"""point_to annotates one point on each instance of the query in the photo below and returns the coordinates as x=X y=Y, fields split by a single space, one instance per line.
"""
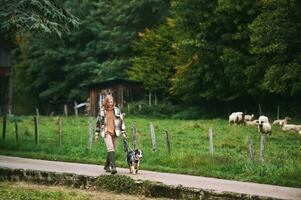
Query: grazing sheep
x=233 y=119
x=300 y=132
x=263 y=119
x=236 y=118
x=265 y=128
x=241 y=118
x=289 y=127
x=280 y=121
x=251 y=123
x=249 y=117
x=298 y=128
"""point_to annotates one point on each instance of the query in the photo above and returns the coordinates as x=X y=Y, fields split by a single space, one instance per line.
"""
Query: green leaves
x=46 y=16
x=153 y=64
x=61 y=69
x=189 y=50
x=275 y=43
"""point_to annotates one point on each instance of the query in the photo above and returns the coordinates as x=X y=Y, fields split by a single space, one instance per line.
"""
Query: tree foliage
x=229 y=49
x=61 y=69
x=192 y=50
x=47 y=16
x=275 y=43
x=154 y=60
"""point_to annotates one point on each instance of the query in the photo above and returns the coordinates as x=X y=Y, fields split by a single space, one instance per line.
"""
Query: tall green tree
x=213 y=48
x=276 y=45
x=46 y=16
x=120 y=22
x=60 y=70
x=154 y=60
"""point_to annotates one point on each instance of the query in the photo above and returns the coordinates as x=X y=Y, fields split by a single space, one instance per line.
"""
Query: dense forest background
x=227 y=54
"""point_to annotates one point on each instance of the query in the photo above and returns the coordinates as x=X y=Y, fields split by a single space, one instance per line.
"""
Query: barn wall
x=122 y=93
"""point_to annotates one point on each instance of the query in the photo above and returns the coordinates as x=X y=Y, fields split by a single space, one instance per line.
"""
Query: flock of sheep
x=262 y=122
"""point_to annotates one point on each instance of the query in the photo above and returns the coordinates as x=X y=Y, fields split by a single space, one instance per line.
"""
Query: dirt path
x=218 y=185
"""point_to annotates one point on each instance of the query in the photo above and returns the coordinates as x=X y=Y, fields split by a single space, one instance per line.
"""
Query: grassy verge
x=24 y=191
x=189 y=148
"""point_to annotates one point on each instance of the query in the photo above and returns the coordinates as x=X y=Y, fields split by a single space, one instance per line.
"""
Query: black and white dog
x=133 y=157
x=133 y=160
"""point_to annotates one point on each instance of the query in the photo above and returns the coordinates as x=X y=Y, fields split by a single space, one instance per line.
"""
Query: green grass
x=29 y=191
x=189 y=148
x=18 y=191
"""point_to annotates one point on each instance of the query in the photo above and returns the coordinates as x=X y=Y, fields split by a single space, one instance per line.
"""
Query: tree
x=275 y=43
x=213 y=48
x=61 y=69
x=154 y=60
x=120 y=23
x=47 y=16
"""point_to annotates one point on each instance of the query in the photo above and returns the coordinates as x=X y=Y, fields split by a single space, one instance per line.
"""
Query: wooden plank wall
x=121 y=92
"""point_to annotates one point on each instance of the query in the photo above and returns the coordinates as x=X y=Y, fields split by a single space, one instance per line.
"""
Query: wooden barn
x=123 y=91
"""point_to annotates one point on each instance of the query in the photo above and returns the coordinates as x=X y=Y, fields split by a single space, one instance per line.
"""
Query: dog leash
x=126 y=145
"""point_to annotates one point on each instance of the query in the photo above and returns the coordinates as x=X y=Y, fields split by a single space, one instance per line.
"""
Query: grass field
x=28 y=191
x=189 y=148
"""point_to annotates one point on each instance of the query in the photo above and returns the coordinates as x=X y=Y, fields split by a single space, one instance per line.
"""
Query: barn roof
x=114 y=81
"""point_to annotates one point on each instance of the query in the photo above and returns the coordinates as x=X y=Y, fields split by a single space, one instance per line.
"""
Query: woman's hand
x=124 y=134
x=96 y=137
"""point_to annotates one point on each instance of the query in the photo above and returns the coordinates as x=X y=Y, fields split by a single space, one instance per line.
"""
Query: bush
x=160 y=110
x=166 y=110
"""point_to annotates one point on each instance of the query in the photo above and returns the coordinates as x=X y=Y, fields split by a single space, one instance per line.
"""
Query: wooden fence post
x=75 y=109
x=278 y=111
x=16 y=130
x=153 y=136
x=262 y=142
x=38 y=113
x=38 y=124
x=90 y=132
x=4 y=127
x=36 y=130
x=251 y=149
x=211 y=141
x=129 y=109
x=259 y=109
x=65 y=110
x=134 y=135
x=60 y=130
x=167 y=141
x=149 y=98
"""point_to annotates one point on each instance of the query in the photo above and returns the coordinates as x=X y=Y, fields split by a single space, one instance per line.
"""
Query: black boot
x=112 y=162
x=107 y=164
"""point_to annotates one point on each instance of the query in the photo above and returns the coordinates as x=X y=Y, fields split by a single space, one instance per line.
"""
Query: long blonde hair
x=106 y=101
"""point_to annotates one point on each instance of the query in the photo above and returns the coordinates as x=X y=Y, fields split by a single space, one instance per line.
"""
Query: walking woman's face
x=110 y=102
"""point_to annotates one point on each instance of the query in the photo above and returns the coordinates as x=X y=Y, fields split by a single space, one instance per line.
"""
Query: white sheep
x=249 y=117
x=298 y=128
x=290 y=127
x=233 y=118
x=300 y=132
x=263 y=119
x=251 y=123
x=265 y=127
x=279 y=121
x=236 y=118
